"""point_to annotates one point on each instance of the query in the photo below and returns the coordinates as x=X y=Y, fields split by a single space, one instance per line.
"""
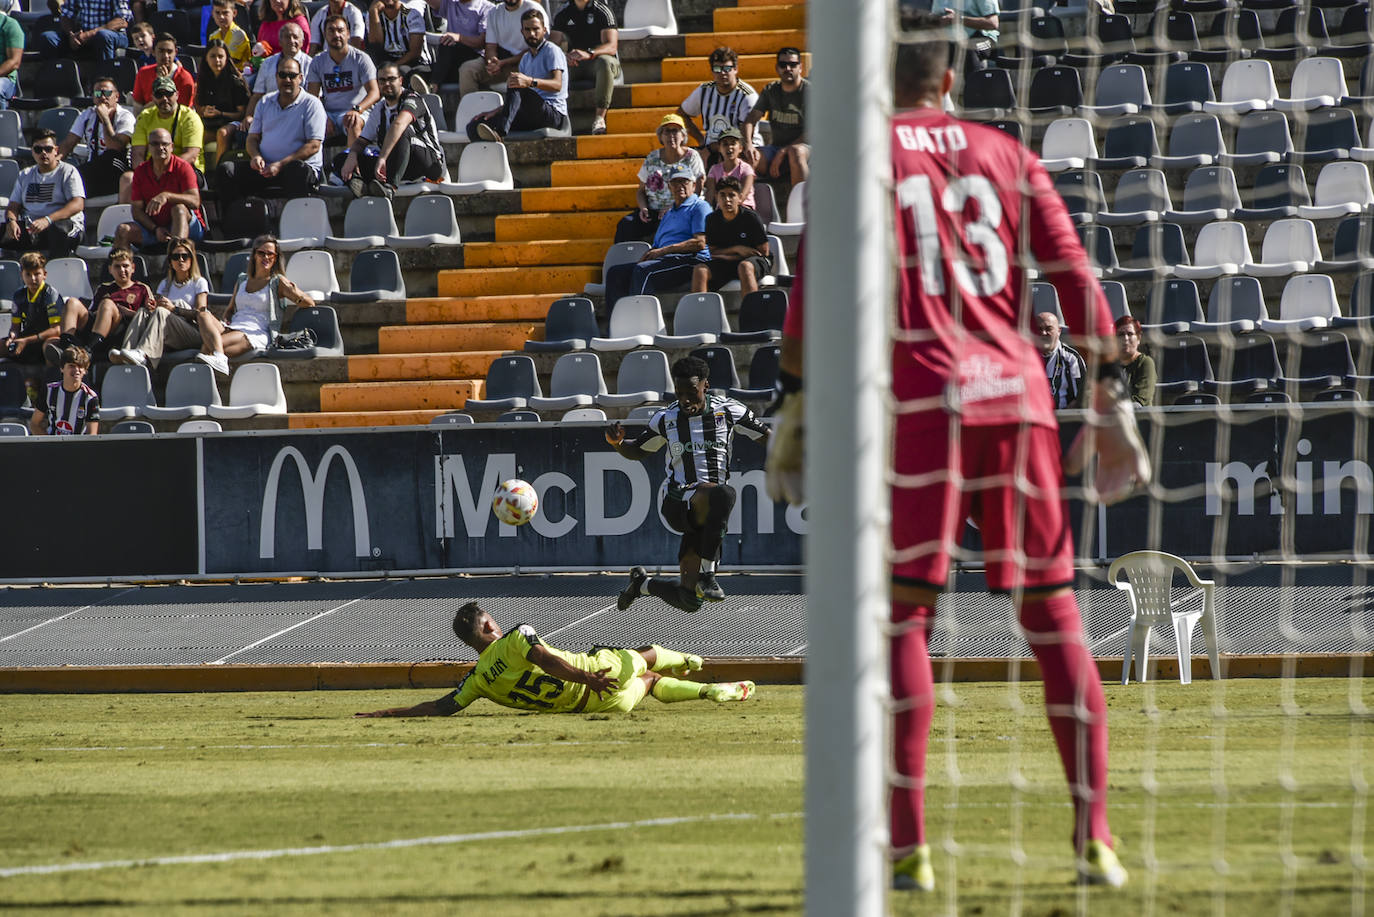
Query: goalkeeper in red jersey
x=975 y=434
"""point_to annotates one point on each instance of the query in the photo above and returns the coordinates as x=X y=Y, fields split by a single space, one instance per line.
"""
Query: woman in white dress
x=169 y=320
x=247 y=321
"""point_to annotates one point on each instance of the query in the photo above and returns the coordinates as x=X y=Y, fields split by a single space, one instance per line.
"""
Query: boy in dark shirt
x=114 y=303
x=38 y=311
x=738 y=242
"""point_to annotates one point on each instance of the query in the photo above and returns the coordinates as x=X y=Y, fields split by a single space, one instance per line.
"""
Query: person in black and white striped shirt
x=697 y=430
x=71 y=407
x=721 y=103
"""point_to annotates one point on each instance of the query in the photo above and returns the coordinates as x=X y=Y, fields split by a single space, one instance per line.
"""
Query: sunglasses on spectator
x=164 y=94
x=722 y=68
x=789 y=64
x=44 y=148
x=288 y=76
x=103 y=93
x=265 y=253
x=180 y=256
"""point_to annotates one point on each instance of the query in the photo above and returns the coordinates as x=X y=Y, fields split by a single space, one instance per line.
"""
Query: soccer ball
x=515 y=502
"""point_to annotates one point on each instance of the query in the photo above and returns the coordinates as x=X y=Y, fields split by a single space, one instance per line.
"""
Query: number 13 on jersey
x=916 y=195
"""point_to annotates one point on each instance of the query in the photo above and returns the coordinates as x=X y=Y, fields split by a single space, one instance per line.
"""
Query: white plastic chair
x=645 y=18
x=583 y=415
x=469 y=107
x=68 y=276
x=1068 y=144
x=796 y=213
x=200 y=426
x=430 y=220
x=254 y=389
x=1150 y=585
x=110 y=219
x=1247 y=86
x=191 y=389
x=1308 y=303
x=1342 y=187
x=634 y=322
x=698 y=319
x=126 y=391
x=304 y=224
x=367 y=223
x=576 y=382
x=1290 y=247
x=313 y=272
x=619 y=253
x=1318 y=82
x=1221 y=249
x=483 y=166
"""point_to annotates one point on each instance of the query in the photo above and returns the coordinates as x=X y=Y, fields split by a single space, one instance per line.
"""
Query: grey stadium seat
x=569 y=325
x=511 y=381
x=643 y=377
x=576 y=382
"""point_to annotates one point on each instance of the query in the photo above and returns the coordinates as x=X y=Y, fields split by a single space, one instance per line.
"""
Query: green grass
x=100 y=778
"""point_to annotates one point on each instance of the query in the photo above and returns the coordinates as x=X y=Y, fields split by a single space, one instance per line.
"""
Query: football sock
x=673 y=690
x=668 y=660
x=913 y=689
x=1076 y=707
x=666 y=589
x=708 y=566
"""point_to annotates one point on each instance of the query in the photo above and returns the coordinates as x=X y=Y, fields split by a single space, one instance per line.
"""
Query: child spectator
x=221 y=96
x=114 y=303
x=737 y=241
x=72 y=407
x=236 y=40
x=168 y=320
x=39 y=311
x=731 y=166
x=165 y=64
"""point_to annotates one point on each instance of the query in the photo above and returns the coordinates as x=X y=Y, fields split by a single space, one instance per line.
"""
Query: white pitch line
x=67 y=615
x=577 y=622
x=286 y=630
x=443 y=839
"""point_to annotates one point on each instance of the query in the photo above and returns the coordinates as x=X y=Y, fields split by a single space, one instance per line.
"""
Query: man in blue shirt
x=679 y=245
x=537 y=95
x=284 y=144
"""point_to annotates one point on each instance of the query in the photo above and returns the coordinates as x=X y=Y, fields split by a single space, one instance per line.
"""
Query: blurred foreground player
x=975 y=434
x=518 y=670
x=697 y=429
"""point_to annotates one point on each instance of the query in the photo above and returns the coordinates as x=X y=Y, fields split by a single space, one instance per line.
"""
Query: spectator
x=737 y=241
x=106 y=129
x=587 y=29
x=236 y=40
x=141 y=36
x=652 y=195
x=722 y=103
x=188 y=134
x=1139 y=367
x=275 y=15
x=357 y=25
x=505 y=46
x=1064 y=366
x=679 y=245
x=536 y=93
x=787 y=154
x=284 y=144
x=113 y=304
x=731 y=166
x=86 y=28
x=246 y=323
x=396 y=33
x=165 y=64
x=165 y=199
x=345 y=79
x=979 y=21
x=46 y=208
x=221 y=96
x=403 y=131
x=168 y=320
x=39 y=315
x=265 y=77
x=72 y=407
x=466 y=22
x=12 y=50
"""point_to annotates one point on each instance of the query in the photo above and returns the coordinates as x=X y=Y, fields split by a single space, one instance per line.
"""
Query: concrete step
x=390 y=367
x=554 y=251
x=612 y=146
x=495 y=281
x=442 y=309
x=749 y=18
x=525 y=227
x=432 y=395
x=317 y=421
x=745 y=42
x=581 y=172
x=470 y=337
x=576 y=199
x=757 y=69
x=636 y=120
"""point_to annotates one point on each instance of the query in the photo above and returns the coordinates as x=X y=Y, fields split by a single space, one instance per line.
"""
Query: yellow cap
x=671 y=120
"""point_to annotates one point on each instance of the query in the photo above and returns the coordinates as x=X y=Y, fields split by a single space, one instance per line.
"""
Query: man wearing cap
x=181 y=121
x=679 y=245
x=536 y=94
x=722 y=102
x=164 y=199
x=652 y=196
x=284 y=143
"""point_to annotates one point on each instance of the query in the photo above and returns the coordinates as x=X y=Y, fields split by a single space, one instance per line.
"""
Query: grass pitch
x=1244 y=797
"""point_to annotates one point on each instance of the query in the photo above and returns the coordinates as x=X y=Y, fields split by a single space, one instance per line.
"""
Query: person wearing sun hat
x=652 y=197
x=679 y=244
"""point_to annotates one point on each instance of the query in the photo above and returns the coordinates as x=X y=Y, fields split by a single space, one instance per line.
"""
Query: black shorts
x=678 y=514
x=722 y=272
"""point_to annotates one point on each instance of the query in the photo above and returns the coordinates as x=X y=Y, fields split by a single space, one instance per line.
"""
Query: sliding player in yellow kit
x=519 y=670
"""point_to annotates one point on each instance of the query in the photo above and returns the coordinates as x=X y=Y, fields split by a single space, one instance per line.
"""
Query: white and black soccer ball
x=515 y=502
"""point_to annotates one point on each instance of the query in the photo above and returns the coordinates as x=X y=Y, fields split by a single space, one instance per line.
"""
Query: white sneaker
x=216 y=361
x=599 y=126
x=116 y=356
x=136 y=357
x=488 y=133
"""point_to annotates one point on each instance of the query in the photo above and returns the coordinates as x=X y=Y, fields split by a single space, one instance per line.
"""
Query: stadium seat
x=1055 y=91
x=1130 y=142
x=1121 y=89
x=1248 y=85
x=1082 y=193
x=643 y=413
x=643 y=377
x=59 y=120
x=191 y=389
x=1172 y=306
x=698 y=319
x=1235 y=306
x=722 y=367
x=1045 y=298
x=1115 y=291
x=9 y=172
x=634 y=322
x=132 y=427
x=375 y=275
x=562 y=129
x=69 y=276
x=56 y=83
x=430 y=220
x=1279 y=190
x=619 y=253
x=254 y=389
x=203 y=425
x=1194 y=140
x=110 y=219
x=522 y=416
x=1068 y=144
x=584 y=415
x=469 y=107
x=483 y=166
x=12 y=428
x=1308 y=303
x=1364 y=96
x=123 y=70
x=1209 y=194
x=1352 y=246
x=988 y=94
x=242 y=220
x=763 y=374
x=1182 y=365
x=235 y=267
x=451 y=419
x=1157 y=250
x=313 y=272
x=1246 y=365
x=511 y=381
x=1342 y=188
x=13 y=392
x=323 y=321
x=1317 y=82
x=1170 y=32
x=1317 y=362
x=647 y=18
x=1261 y=137
x=1100 y=246
x=1142 y=196
x=1327 y=135
x=304 y=224
x=11 y=279
x=1290 y=247
x=569 y=324
x=1220 y=249
x=796 y=213
x=1148 y=582
x=1045 y=36
x=368 y=222
x=1187 y=86
x=576 y=382
x=760 y=319
x=126 y=391
x=765 y=203
x=1297 y=33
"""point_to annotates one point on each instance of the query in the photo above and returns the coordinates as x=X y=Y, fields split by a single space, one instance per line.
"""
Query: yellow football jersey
x=505 y=675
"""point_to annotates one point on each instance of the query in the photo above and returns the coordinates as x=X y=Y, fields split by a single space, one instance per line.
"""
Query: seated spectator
x=247 y=322
x=679 y=245
x=721 y=103
x=783 y=101
x=38 y=315
x=345 y=80
x=357 y=25
x=236 y=41
x=275 y=15
x=221 y=96
x=188 y=134
x=141 y=37
x=106 y=128
x=466 y=22
x=165 y=199
x=1139 y=367
x=536 y=94
x=71 y=408
x=652 y=195
x=46 y=211
x=165 y=64
x=505 y=45
x=12 y=52
x=737 y=241
x=403 y=131
x=731 y=166
x=396 y=34
x=86 y=29
x=979 y=21
x=1064 y=366
x=284 y=143
x=587 y=31
x=101 y=326
x=168 y=320
x=265 y=77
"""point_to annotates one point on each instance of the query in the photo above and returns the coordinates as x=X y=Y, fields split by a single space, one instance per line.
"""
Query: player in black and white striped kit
x=70 y=407
x=697 y=430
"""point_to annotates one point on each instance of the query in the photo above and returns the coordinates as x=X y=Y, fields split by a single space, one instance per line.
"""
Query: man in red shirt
x=165 y=63
x=975 y=433
x=164 y=198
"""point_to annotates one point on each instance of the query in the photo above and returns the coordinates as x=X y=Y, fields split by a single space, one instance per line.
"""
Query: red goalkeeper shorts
x=1006 y=479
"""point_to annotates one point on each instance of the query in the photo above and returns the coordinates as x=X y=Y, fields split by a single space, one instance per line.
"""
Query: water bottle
x=373 y=151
